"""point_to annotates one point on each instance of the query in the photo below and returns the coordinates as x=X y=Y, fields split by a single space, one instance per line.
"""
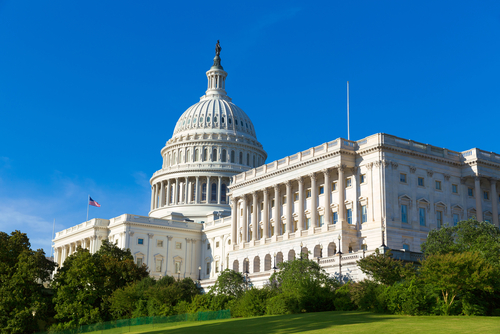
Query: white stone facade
x=215 y=203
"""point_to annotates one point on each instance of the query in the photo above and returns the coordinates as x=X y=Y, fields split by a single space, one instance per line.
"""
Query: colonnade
x=91 y=243
x=493 y=197
x=189 y=190
x=306 y=218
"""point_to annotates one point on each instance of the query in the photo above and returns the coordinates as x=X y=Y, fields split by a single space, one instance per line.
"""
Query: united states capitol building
x=216 y=202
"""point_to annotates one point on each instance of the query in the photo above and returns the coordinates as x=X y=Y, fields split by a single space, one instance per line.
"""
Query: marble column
x=326 y=196
x=169 y=189
x=176 y=191
x=265 y=215
x=277 y=218
x=289 y=206
x=219 y=185
x=300 y=212
x=494 y=201
x=479 y=206
x=197 y=191
x=341 y=192
x=162 y=194
x=244 y=220
x=255 y=209
x=234 y=222
x=314 y=204
x=152 y=197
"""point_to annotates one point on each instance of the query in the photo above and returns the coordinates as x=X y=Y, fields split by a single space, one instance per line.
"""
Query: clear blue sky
x=90 y=91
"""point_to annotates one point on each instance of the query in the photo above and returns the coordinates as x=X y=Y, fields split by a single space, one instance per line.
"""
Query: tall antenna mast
x=348 y=133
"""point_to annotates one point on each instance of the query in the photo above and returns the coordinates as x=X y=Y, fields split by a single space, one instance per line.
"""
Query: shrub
x=282 y=304
x=412 y=298
x=342 y=298
x=252 y=303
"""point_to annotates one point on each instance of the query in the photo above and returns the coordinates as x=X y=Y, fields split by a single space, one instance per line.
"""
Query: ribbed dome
x=215 y=114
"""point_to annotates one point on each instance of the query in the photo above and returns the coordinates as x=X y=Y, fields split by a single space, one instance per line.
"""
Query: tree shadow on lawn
x=293 y=323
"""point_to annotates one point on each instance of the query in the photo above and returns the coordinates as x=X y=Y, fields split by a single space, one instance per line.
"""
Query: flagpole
x=348 y=132
x=88 y=201
x=51 y=242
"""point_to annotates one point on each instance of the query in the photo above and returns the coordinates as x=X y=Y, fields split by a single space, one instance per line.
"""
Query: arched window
x=214 y=154
x=187 y=156
x=256 y=264
x=213 y=198
x=203 y=192
x=267 y=262
x=232 y=157
x=197 y=155
x=223 y=193
x=205 y=154
x=248 y=159
x=291 y=255
x=223 y=157
x=241 y=158
x=175 y=158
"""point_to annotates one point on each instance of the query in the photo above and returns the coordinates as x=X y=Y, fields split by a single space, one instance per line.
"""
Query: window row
x=204 y=155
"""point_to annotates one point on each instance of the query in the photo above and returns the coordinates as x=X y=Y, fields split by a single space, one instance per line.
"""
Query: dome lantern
x=216 y=79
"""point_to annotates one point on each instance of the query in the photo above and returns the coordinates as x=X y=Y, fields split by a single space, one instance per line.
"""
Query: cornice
x=290 y=168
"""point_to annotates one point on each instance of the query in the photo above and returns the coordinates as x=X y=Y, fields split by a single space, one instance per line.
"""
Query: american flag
x=93 y=203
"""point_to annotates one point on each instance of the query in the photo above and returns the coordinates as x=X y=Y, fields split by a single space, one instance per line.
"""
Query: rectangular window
x=139 y=261
x=438 y=185
x=334 y=186
x=178 y=245
x=216 y=244
x=348 y=182
x=335 y=217
x=406 y=247
x=486 y=195
x=362 y=178
x=454 y=188
x=296 y=196
x=308 y=223
x=158 y=265
x=159 y=243
x=421 y=213
x=140 y=241
x=208 y=245
x=217 y=266
x=349 y=216
x=284 y=199
x=321 y=190
x=488 y=220
x=208 y=268
x=402 y=178
x=261 y=206
x=272 y=203
x=364 y=217
x=420 y=181
x=456 y=218
x=470 y=192
x=404 y=213
x=439 y=219
x=308 y=193
x=321 y=220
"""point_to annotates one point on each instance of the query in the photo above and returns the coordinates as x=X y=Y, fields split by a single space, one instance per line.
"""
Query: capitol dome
x=212 y=141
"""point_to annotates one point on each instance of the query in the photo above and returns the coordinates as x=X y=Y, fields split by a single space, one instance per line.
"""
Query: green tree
x=25 y=303
x=304 y=286
x=383 y=268
x=86 y=281
x=468 y=235
x=230 y=283
x=455 y=274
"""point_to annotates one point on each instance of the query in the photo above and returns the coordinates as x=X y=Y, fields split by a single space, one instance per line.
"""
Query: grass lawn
x=336 y=322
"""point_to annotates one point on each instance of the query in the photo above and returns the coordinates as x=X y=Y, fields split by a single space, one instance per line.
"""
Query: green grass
x=335 y=322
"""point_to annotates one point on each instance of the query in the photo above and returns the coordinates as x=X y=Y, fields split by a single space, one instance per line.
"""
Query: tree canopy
x=86 y=281
x=383 y=268
x=24 y=301
x=467 y=236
